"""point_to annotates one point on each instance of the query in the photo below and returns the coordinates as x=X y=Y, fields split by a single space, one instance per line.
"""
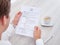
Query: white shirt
x=9 y=32
x=2 y=42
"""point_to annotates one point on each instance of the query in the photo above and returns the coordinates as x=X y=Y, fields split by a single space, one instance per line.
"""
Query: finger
x=36 y=27
x=18 y=14
x=35 y=30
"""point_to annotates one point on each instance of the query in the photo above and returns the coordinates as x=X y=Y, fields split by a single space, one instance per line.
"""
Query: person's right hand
x=37 y=33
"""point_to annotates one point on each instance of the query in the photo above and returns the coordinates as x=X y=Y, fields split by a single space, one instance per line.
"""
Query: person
x=5 y=24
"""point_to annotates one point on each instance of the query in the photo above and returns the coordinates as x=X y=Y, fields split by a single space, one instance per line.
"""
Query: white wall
x=49 y=8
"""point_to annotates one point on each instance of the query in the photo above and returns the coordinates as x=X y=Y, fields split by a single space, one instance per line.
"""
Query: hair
x=4 y=8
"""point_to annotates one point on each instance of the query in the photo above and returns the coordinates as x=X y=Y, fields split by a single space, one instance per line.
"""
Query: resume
x=29 y=19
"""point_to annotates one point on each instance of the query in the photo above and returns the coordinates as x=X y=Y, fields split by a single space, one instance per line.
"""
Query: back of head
x=4 y=14
x=4 y=8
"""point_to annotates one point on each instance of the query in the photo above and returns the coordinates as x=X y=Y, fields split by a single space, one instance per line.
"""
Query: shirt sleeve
x=10 y=31
x=39 y=42
x=5 y=43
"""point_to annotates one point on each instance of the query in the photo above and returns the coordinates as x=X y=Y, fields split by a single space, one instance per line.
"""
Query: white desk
x=23 y=40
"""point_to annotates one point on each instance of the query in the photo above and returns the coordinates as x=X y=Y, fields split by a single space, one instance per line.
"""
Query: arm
x=37 y=36
x=10 y=30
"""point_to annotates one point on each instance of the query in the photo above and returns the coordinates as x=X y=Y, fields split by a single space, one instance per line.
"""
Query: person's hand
x=37 y=33
x=16 y=19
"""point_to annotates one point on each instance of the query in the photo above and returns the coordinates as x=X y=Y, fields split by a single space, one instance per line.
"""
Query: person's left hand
x=16 y=19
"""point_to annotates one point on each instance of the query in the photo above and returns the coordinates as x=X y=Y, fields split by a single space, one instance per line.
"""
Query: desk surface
x=24 y=40
x=21 y=40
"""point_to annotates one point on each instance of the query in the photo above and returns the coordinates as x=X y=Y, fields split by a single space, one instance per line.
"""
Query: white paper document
x=29 y=19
